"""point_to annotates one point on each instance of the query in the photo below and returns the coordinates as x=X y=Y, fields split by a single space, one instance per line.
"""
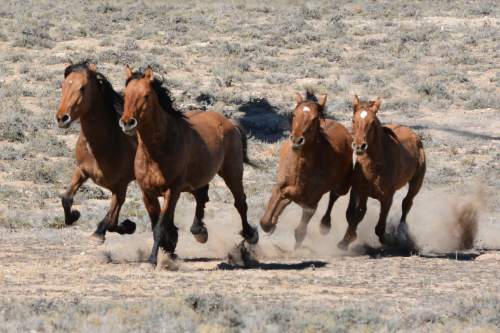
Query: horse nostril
x=364 y=145
x=128 y=126
x=132 y=123
x=301 y=141
x=64 y=121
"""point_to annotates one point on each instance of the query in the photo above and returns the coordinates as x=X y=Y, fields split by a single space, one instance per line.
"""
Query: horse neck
x=99 y=125
x=307 y=158
x=374 y=159
x=159 y=132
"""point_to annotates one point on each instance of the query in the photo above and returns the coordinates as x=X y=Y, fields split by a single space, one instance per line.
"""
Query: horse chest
x=150 y=176
x=304 y=184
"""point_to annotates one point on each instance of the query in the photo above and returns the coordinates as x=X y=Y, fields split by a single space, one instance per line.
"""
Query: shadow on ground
x=262 y=120
x=467 y=134
x=276 y=266
x=387 y=252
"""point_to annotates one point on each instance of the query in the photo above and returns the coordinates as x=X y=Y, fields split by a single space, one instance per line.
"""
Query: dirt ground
x=436 y=65
x=58 y=280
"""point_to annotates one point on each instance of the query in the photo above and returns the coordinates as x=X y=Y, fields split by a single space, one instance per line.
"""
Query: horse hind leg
x=232 y=175
x=326 y=220
x=414 y=187
x=110 y=221
x=77 y=180
x=198 y=228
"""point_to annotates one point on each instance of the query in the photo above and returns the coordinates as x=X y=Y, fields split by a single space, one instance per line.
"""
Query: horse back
x=407 y=149
x=406 y=138
x=338 y=136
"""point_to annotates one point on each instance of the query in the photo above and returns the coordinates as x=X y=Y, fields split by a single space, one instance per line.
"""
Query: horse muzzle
x=130 y=127
x=297 y=143
x=65 y=121
x=359 y=149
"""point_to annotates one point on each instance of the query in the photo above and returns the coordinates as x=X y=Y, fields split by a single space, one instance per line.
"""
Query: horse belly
x=204 y=168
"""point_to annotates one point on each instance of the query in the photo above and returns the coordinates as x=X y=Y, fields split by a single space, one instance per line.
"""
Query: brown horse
x=316 y=160
x=386 y=159
x=181 y=153
x=103 y=152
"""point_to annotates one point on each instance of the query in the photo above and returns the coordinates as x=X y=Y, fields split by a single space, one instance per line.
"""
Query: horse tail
x=244 y=143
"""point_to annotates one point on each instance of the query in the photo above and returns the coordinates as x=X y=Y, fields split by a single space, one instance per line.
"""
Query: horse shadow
x=308 y=264
x=395 y=251
x=263 y=121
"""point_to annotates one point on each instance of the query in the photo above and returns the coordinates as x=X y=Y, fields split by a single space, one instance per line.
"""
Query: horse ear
x=322 y=101
x=376 y=104
x=148 y=73
x=298 y=98
x=128 y=71
x=93 y=67
x=355 y=102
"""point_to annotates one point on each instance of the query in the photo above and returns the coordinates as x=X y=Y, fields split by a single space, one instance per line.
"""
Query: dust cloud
x=438 y=223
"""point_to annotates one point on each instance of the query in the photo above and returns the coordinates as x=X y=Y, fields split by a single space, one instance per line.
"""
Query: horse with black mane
x=181 y=152
x=103 y=152
x=316 y=160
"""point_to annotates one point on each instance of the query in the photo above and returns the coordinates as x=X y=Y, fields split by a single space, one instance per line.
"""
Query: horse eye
x=82 y=89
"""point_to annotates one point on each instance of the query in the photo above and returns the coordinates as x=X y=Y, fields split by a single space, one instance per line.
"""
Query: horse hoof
x=126 y=227
x=152 y=260
x=343 y=245
x=200 y=233
x=96 y=238
x=324 y=228
x=252 y=237
x=201 y=238
x=73 y=217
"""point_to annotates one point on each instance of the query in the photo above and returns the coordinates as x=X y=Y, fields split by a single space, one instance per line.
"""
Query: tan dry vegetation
x=436 y=65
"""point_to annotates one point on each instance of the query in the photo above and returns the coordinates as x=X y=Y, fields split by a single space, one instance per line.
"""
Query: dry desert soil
x=435 y=63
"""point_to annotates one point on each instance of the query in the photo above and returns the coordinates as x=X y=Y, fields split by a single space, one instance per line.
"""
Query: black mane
x=311 y=97
x=113 y=99
x=164 y=95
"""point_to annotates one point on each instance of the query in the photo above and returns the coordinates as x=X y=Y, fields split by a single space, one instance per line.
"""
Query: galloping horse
x=386 y=159
x=103 y=152
x=181 y=153
x=316 y=160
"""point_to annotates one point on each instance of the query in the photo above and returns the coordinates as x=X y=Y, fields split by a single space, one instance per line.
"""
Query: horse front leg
x=301 y=230
x=385 y=206
x=356 y=210
x=165 y=234
x=275 y=207
x=77 y=180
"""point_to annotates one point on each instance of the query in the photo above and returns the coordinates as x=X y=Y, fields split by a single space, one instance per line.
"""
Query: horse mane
x=311 y=97
x=164 y=95
x=390 y=132
x=112 y=99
